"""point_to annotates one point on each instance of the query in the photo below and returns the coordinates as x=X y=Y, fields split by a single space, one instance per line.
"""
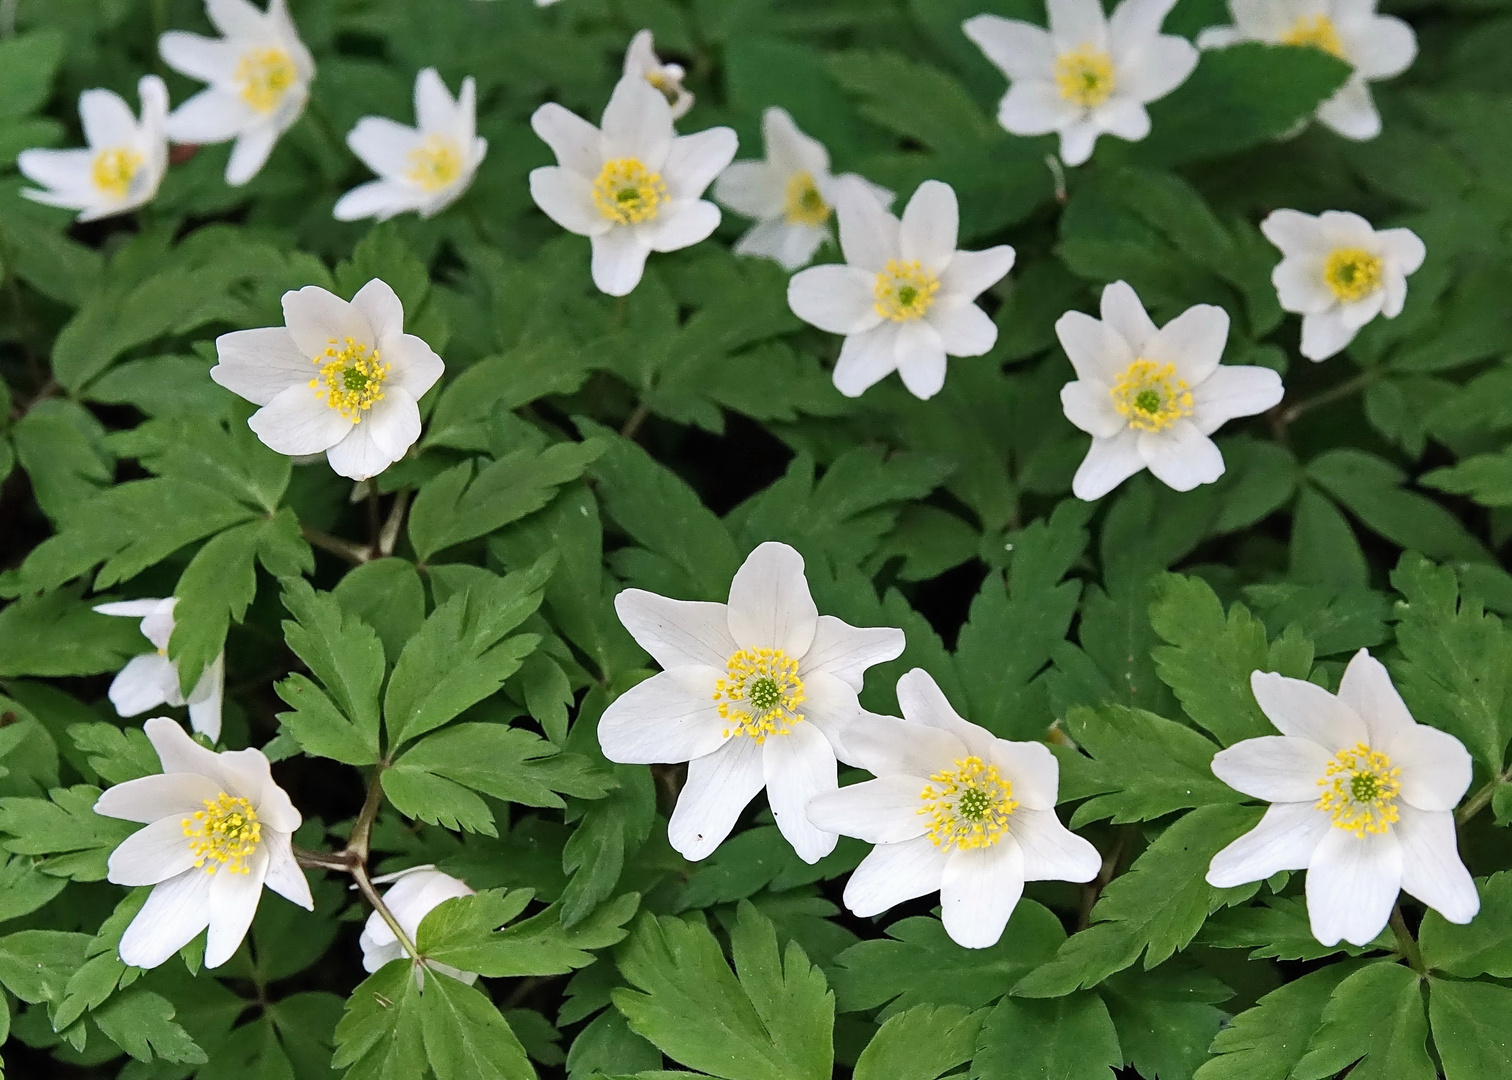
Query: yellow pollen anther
x=627 y=193
x=114 y=169
x=224 y=834
x=968 y=806
x=264 y=76
x=1352 y=273
x=1360 y=788
x=904 y=291
x=351 y=379
x=760 y=693
x=1150 y=396
x=666 y=86
x=1085 y=76
x=1317 y=32
x=435 y=164
x=803 y=204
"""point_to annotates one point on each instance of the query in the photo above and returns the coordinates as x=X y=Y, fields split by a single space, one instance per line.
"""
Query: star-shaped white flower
x=123 y=165
x=1089 y=74
x=641 y=62
x=1151 y=397
x=1338 y=273
x=1376 y=46
x=633 y=188
x=152 y=679
x=415 y=893
x=1362 y=797
x=259 y=76
x=905 y=297
x=953 y=808
x=754 y=694
x=218 y=830
x=423 y=168
x=791 y=194
x=342 y=379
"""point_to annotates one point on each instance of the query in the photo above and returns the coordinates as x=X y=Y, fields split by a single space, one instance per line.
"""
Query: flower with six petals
x=152 y=679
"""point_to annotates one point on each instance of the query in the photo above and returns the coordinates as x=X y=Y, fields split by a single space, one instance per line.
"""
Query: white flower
x=423 y=168
x=1376 y=46
x=641 y=62
x=1362 y=798
x=633 y=188
x=259 y=76
x=414 y=894
x=754 y=694
x=1338 y=273
x=904 y=297
x=952 y=808
x=1089 y=74
x=341 y=378
x=791 y=194
x=218 y=830
x=122 y=167
x=1150 y=398
x=152 y=679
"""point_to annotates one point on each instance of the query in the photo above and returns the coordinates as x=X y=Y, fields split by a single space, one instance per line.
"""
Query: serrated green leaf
x=213 y=591
x=1469 y=1028
x=465 y=1036
x=922 y=1043
x=341 y=650
x=1266 y=1041
x=379 y=1036
x=141 y=1023
x=1376 y=1021
x=1070 y=1038
x=1481 y=947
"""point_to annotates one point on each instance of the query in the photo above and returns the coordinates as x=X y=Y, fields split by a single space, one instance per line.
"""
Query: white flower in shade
x=1362 y=797
x=218 y=830
x=791 y=194
x=123 y=165
x=1151 y=397
x=1338 y=273
x=1089 y=74
x=259 y=76
x=152 y=679
x=1375 y=46
x=905 y=297
x=641 y=62
x=953 y=808
x=633 y=188
x=423 y=168
x=342 y=379
x=753 y=694
x=415 y=893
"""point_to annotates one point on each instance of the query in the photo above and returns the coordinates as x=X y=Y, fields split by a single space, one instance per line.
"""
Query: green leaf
x=117 y=755
x=56 y=635
x=379 y=1036
x=1486 y=478
x=1165 y=1019
x=1481 y=947
x=1069 y=1038
x=465 y=1036
x=64 y=451
x=341 y=651
x=24 y=887
x=1324 y=549
x=1280 y=929
x=922 y=1043
x=214 y=590
x=387 y=595
x=769 y=1019
x=28 y=64
x=35 y=964
x=464 y=933
x=223 y=454
x=943 y=117
x=320 y=728
x=1469 y=1022
x=526 y=373
x=141 y=1023
x=64 y=827
x=1265 y=1042
x=1377 y=1014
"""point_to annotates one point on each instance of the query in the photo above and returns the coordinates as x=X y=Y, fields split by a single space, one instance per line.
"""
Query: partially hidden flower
x=1375 y=46
x=633 y=188
x=424 y=168
x=258 y=73
x=1338 y=273
x=217 y=831
x=1362 y=797
x=641 y=62
x=905 y=297
x=414 y=894
x=953 y=808
x=1151 y=397
x=339 y=378
x=753 y=694
x=152 y=679
x=123 y=165
x=1090 y=74
x=791 y=195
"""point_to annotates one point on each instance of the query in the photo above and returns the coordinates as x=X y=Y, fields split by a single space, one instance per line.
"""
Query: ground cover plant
x=755 y=539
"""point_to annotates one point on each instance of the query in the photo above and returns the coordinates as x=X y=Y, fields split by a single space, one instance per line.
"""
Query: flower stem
x=1283 y=416
x=636 y=419
x=356 y=554
x=1406 y=944
x=1478 y=802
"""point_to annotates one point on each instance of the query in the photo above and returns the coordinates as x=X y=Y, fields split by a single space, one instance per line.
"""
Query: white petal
x=202 y=58
x=1018 y=49
x=260 y=364
x=1077 y=22
x=638 y=124
x=1052 y=852
x=920 y=354
x=1181 y=457
x=670 y=717
x=383 y=145
x=566 y=197
x=386 y=433
x=1077 y=141
x=866 y=359
x=893 y=873
x=718 y=788
x=233 y=903
x=752 y=188
x=213 y=115
x=1219 y=37
x=573 y=140
x=1032 y=769
x=205 y=701
x=695 y=160
x=830 y=705
x=1285 y=839
x=930 y=225
x=1325 y=334
x=1404 y=247
x=619 y=259
x=1033 y=107
x=1109 y=462
x=297 y=422
x=1367 y=689
x=378 y=199
x=770 y=603
x=1134 y=24
x=978 y=892
x=1295 y=233
x=152 y=854
x=681 y=225
x=1432 y=869
x=1356 y=314
x=1300 y=285
x=1352 y=883
x=1435 y=766
x=144 y=683
x=868 y=233
x=107 y=119
x=1381 y=48
x=1123 y=117
x=1394 y=293
x=1123 y=312
x=1089 y=406
x=1159 y=67
x=887 y=746
x=416 y=367
x=791 y=245
x=1276 y=768
x=317 y=318
x=434 y=108
x=1193 y=341
x=63 y=170
x=964 y=328
x=152 y=798
x=972 y=273
x=250 y=153
x=157 y=626
x=789 y=149
x=797 y=767
x=881 y=811
x=923 y=702
x=284 y=874
x=236 y=18
x=677 y=633
x=836 y=298
x=1307 y=711
x=379 y=305
x=846 y=651
x=1096 y=349
x=174 y=914
x=1352 y=112
x=134 y=609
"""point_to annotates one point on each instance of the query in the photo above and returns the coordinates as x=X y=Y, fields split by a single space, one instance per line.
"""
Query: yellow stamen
x=904 y=291
x=626 y=192
x=971 y=806
x=760 y=693
x=1150 y=396
x=1085 y=76
x=224 y=834
x=1317 y=32
x=1352 y=273
x=435 y=164
x=804 y=204
x=114 y=169
x=264 y=76
x=1360 y=788
x=351 y=379
x=669 y=88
